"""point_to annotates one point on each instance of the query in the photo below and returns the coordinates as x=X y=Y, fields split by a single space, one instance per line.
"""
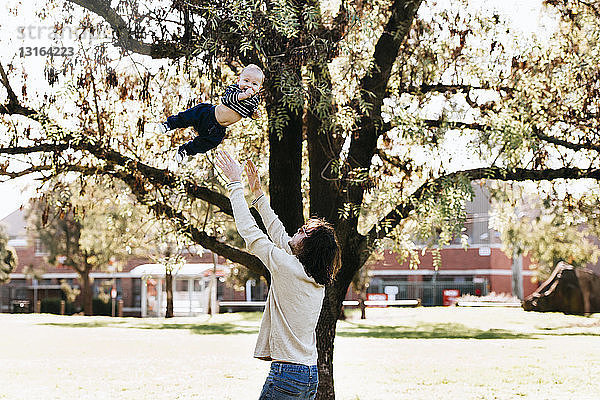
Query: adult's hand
x=229 y=165
x=253 y=179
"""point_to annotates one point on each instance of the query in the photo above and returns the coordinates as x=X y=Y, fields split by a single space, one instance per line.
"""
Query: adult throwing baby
x=300 y=267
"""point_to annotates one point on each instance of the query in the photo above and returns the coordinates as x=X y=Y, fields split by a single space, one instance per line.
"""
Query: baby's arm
x=242 y=103
x=246 y=94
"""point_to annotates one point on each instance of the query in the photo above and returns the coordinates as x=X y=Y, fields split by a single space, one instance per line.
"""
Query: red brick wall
x=452 y=258
x=499 y=260
x=27 y=258
x=460 y=259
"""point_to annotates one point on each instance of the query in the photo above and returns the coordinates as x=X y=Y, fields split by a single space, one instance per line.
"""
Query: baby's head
x=251 y=77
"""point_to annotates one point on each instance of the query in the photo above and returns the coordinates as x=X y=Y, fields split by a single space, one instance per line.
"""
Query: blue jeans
x=290 y=381
x=202 y=118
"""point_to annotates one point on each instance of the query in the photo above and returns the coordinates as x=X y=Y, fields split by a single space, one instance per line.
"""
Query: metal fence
x=10 y=293
x=430 y=293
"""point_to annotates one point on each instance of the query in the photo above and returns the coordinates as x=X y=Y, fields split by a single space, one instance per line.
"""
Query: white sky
x=526 y=16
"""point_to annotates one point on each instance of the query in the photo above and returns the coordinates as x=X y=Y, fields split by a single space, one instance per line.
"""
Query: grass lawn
x=416 y=353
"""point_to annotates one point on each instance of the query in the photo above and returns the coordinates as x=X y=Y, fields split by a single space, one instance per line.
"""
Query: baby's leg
x=209 y=132
x=190 y=117
x=204 y=142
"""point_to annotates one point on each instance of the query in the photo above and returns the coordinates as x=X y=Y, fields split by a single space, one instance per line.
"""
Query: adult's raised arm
x=256 y=240
x=274 y=226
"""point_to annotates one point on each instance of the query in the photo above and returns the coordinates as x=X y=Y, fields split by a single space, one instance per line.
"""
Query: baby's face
x=250 y=78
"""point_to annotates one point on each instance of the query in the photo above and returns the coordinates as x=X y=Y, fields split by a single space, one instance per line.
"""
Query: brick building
x=130 y=284
x=480 y=269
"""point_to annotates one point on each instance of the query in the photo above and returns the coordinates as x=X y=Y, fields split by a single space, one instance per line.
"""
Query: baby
x=209 y=121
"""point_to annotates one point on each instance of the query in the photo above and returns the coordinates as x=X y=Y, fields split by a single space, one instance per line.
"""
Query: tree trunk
x=86 y=292
x=285 y=159
x=325 y=331
x=361 y=304
x=169 y=290
x=324 y=146
x=342 y=316
x=331 y=309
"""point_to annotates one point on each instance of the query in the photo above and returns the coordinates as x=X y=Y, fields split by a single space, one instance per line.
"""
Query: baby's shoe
x=181 y=156
x=164 y=127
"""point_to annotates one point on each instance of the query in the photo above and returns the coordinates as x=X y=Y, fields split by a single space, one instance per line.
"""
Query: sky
x=27 y=30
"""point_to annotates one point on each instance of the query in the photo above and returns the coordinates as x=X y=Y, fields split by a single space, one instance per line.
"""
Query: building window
x=181 y=285
x=220 y=288
x=39 y=248
x=137 y=292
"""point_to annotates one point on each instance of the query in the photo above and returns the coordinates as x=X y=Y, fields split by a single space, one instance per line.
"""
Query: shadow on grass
x=348 y=329
x=91 y=324
x=570 y=334
x=428 y=331
x=249 y=316
x=225 y=328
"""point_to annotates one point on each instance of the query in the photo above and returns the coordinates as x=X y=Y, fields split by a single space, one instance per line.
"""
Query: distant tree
x=168 y=252
x=360 y=284
x=85 y=225
x=549 y=231
x=70 y=292
x=8 y=257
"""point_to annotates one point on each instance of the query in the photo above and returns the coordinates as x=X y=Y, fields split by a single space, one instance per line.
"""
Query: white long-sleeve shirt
x=287 y=329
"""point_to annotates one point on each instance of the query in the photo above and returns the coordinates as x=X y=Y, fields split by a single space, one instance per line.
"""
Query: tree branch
x=154 y=175
x=13 y=106
x=441 y=88
x=564 y=143
x=202 y=238
x=161 y=209
x=438 y=88
x=435 y=123
x=45 y=147
x=125 y=37
x=373 y=86
x=395 y=161
x=387 y=47
x=402 y=211
x=24 y=172
x=536 y=131
x=12 y=97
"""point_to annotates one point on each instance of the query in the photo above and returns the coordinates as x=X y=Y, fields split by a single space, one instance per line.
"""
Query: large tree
x=549 y=229
x=353 y=133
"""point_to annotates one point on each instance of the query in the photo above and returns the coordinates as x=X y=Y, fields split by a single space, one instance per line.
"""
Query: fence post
x=62 y=307
x=120 y=308
x=38 y=307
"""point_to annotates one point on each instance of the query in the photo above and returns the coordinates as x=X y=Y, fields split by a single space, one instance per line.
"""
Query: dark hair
x=319 y=251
